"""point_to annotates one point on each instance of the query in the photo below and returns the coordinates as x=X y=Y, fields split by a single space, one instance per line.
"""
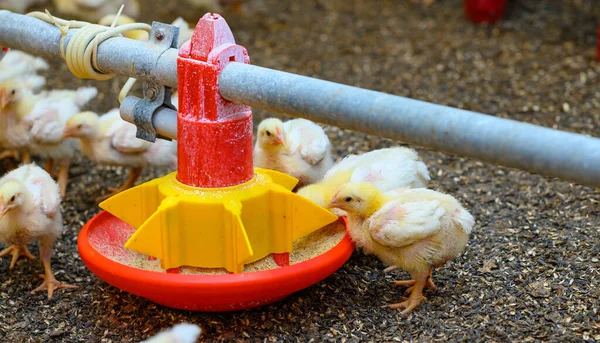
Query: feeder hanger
x=162 y=38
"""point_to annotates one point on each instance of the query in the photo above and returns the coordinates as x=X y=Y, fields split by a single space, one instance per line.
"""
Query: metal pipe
x=537 y=149
x=510 y=143
x=117 y=55
x=164 y=119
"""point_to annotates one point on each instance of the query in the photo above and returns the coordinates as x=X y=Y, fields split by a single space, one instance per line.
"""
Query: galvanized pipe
x=549 y=152
x=121 y=56
x=537 y=149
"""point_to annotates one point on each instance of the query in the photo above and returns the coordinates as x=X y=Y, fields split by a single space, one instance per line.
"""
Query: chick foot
x=16 y=251
x=411 y=283
x=50 y=283
x=416 y=296
x=409 y=304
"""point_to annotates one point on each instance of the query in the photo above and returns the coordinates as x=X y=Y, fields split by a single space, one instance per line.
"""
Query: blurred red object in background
x=484 y=11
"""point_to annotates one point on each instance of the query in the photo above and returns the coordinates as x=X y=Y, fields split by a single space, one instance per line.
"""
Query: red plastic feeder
x=215 y=152
x=484 y=11
x=105 y=234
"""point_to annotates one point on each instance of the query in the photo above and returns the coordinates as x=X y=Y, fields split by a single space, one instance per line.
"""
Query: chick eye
x=268 y=133
x=13 y=92
x=12 y=198
x=79 y=126
x=348 y=199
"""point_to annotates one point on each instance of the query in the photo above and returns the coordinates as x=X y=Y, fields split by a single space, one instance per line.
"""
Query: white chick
x=16 y=101
x=94 y=10
x=180 y=333
x=110 y=140
x=17 y=64
x=19 y=6
x=297 y=147
x=30 y=210
x=416 y=230
x=387 y=169
x=47 y=121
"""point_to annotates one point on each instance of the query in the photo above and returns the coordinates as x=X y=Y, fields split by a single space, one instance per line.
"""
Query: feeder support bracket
x=162 y=38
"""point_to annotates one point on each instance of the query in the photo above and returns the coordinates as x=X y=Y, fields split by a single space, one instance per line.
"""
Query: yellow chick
x=30 y=209
x=388 y=169
x=298 y=147
x=417 y=230
x=110 y=140
x=122 y=20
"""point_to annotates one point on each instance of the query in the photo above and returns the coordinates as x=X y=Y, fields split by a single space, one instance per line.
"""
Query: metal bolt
x=160 y=34
x=151 y=94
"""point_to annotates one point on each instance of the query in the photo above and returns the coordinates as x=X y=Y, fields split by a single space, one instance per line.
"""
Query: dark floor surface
x=531 y=270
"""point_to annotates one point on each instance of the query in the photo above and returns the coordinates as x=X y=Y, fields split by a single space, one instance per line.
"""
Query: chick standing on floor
x=416 y=230
x=298 y=147
x=110 y=140
x=30 y=210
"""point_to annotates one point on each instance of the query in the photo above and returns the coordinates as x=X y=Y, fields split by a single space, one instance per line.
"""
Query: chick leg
x=9 y=154
x=416 y=296
x=50 y=283
x=134 y=174
x=63 y=176
x=411 y=283
x=49 y=167
x=26 y=157
x=16 y=251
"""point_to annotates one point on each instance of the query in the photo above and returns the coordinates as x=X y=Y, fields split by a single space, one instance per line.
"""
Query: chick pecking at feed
x=388 y=169
x=416 y=230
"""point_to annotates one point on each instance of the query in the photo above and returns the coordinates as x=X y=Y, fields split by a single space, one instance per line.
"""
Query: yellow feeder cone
x=216 y=227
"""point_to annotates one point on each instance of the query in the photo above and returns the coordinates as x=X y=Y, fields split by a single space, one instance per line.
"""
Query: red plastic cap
x=484 y=11
x=214 y=135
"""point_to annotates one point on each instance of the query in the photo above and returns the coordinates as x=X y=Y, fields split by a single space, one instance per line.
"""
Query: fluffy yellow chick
x=388 y=169
x=298 y=147
x=417 y=230
x=180 y=333
x=110 y=140
x=93 y=10
x=122 y=20
x=30 y=210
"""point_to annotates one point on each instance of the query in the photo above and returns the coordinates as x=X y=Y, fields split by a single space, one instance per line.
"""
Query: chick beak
x=3 y=210
x=4 y=99
x=67 y=133
x=334 y=203
x=279 y=138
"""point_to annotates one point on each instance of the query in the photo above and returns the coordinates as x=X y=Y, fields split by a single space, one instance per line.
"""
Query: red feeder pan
x=105 y=233
x=484 y=11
